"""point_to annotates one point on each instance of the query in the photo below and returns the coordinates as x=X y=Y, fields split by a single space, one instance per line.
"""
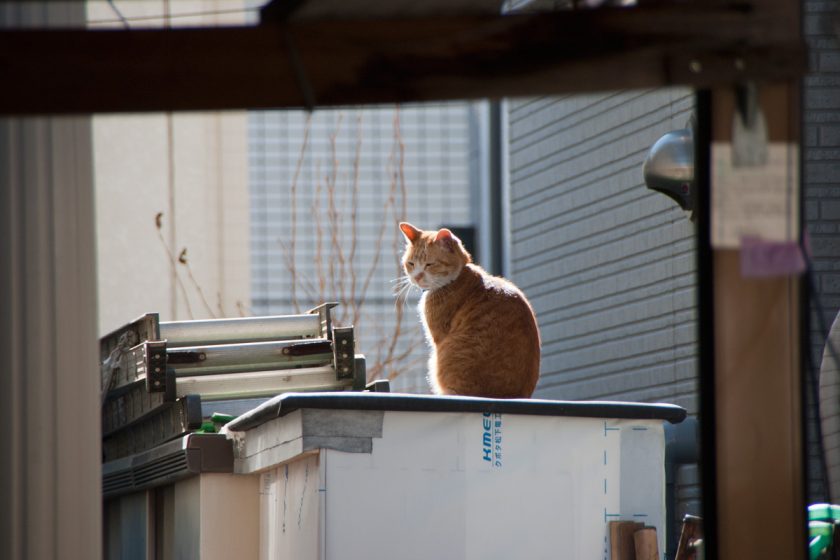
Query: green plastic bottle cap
x=220 y=418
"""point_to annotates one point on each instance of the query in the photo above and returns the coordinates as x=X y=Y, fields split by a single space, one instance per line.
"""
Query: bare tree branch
x=393 y=351
x=354 y=235
x=305 y=282
x=221 y=305
x=173 y=261
x=319 y=237
x=397 y=180
x=293 y=208
x=336 y=264
x=182 y=258
x=244 y=310
x=336 y=247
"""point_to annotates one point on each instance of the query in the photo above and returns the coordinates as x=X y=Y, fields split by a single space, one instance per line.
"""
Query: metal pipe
x=251 y=356
x=239 y=330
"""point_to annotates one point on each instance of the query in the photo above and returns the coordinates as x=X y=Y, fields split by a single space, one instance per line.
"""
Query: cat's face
x=432 y=259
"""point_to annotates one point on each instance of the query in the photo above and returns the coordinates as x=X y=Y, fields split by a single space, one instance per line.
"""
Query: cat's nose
x=419 y=276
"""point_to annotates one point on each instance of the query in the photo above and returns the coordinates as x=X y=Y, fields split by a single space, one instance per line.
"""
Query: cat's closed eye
x=409 y=264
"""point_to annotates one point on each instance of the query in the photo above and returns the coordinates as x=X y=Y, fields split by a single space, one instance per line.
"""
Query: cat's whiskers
x=400 y=283
x=402 y=288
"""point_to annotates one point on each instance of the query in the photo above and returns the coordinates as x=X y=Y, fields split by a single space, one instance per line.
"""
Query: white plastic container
x=383 y=476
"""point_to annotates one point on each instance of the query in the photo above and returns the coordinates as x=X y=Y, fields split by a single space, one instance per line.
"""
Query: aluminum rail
x=263 y=383
x=249 y=356
x=245 y=329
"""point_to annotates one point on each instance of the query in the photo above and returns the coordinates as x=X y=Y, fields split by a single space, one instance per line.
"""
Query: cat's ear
x=446 y=238
x=411 y=233
x=444 y=235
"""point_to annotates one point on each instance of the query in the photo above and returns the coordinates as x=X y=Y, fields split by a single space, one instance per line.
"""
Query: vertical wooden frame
x=751 y=369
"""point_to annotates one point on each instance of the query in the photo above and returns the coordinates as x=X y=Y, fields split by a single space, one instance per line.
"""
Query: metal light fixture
x=669 y=167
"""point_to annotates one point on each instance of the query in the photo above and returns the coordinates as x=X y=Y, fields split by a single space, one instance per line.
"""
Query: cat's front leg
x=433 y=373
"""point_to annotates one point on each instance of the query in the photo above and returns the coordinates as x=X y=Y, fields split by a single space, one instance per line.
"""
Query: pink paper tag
x=763 y=259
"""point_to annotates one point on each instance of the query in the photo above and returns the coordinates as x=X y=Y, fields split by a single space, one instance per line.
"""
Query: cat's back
x=495 y=297
x=492 y=345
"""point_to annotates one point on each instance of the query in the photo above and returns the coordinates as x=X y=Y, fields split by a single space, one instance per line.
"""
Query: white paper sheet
x=755 y=201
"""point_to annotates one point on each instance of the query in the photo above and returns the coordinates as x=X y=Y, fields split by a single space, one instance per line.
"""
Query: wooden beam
x=760 y=497
x=753 y=398
x=365 y=62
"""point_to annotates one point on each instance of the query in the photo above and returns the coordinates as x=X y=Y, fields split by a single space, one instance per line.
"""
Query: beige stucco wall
x=193 y=168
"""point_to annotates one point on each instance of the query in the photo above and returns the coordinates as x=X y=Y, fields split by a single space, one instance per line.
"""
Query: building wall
x=325 y=216
x=607 y=264
x=821 y=184
x=192 y=168
x=50 y=483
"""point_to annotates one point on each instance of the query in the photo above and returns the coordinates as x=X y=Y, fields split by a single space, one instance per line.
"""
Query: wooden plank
x=622 y=546
x=382 y=61
x=645 y=544
x=758 y=483
x=759 y=447
x=299 y=10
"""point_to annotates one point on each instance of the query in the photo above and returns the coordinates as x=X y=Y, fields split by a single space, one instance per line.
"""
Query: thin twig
x=173 y=261
x=336 y=263
x=354 y=210
x=293 y=208
x=244 y=311
x=182 y=258
x=401 y=170
x=220 y=305
x=377 y=251
x=398 y=179
x=394 y=373
x=305 y=282
x=319 y=237
x=392 y=351
x=381 y=364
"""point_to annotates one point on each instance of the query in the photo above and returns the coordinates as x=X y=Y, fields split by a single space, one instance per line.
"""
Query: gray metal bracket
x=344 y=356
x=323 y=312
x=154 y=360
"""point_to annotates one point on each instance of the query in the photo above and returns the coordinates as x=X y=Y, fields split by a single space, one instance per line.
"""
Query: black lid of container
x=289 y=402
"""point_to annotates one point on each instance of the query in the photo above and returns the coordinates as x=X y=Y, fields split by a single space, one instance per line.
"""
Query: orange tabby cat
x=482 y=331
